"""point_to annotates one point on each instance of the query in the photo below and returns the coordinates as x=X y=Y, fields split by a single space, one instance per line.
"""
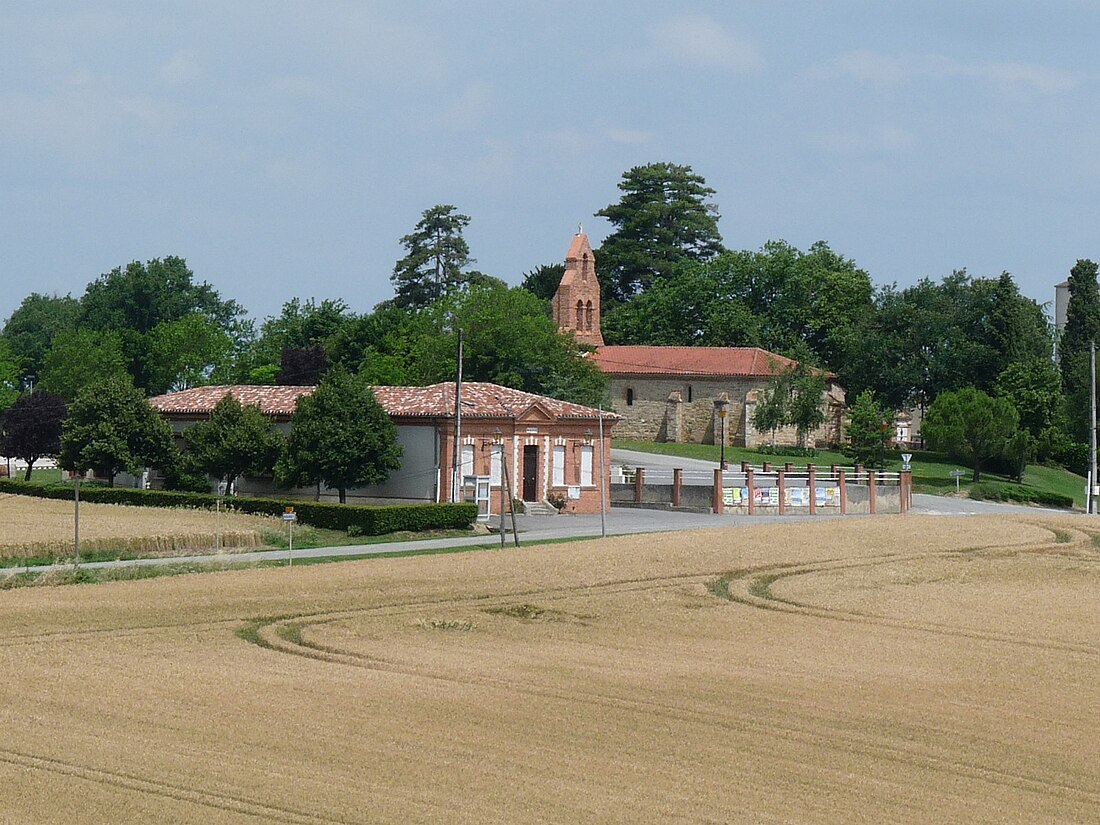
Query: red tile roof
x=479 y=400
x=271 y=400
x=691 y=361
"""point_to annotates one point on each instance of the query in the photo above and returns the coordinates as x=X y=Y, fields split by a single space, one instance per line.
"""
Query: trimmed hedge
x=368 y=521
x=996 y=491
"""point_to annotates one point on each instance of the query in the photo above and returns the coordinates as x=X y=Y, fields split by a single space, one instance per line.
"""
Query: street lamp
x=722 y=419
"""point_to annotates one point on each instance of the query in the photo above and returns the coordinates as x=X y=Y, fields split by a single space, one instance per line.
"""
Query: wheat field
x=899 y=669
x=39 y=526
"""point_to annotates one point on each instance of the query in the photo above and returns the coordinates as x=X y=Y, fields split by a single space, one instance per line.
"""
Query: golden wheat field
x=902 y=669
x=30 y=526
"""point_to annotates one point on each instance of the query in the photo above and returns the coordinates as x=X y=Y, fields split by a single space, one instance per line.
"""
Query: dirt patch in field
x=859 y=670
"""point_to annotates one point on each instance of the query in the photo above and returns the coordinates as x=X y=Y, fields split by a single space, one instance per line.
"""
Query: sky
x=284 y=148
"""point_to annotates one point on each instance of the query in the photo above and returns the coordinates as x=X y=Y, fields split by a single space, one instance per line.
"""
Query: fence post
x=788 y=467
x=744 y=466
x=780 y=481
x=718 y=505
x=871 y=489
x=905 y=490
x=677 y=480
x=639 y=483
x=843 y=491
x=750 y=486
x=811 y=475
x=767 y=468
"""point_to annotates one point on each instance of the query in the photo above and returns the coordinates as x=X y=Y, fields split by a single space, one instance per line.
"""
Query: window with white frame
x=586 y=466
x=467 y=459
x=494 y=465
x=559 y=465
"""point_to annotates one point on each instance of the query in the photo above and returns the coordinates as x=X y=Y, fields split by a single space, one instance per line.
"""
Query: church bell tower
x=577 y=301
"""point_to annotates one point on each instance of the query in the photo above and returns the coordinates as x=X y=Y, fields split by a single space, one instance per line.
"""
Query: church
x=702 y=395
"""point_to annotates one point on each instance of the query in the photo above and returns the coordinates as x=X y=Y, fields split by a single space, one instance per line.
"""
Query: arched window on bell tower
x=588 y=316
x=580 y=315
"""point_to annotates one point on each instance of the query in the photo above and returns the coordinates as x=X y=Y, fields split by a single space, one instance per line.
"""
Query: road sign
x=957 y=474
x=290 y=515
x=905 y=459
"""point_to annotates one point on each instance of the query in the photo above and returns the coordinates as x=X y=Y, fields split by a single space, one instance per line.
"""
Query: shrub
x=997 y=491
x=370 y=521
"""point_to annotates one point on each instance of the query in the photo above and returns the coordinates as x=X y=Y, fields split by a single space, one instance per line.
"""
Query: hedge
x=366 y=520
x=996 y=491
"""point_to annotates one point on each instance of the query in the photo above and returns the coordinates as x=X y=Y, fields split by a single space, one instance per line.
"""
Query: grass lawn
x=931 y=471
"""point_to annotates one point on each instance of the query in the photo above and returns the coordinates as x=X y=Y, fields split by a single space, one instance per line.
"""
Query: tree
x=543 y=281
x=302 y=366
x=234 y=441
x=805 y=411
x=79 y=358
x=866 y=434
x=185 y=353
x=31 y=329
x=1082 y=328
x=662 y=219
x=1035 y=390
x=971 y=426
x=9 y=376
x=771 y=407
x=436 y=255
x=110 y=427
x=31 y=428
x=134 y=301
x=508 y=339
x=340 y=437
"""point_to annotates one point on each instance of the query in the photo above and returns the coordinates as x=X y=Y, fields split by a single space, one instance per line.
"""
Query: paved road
x=619 y=521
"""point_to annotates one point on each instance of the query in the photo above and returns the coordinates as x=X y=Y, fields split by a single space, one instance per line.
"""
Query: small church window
x=580 y=314
x=588 y=316
x=689 y=393
x=630 y=396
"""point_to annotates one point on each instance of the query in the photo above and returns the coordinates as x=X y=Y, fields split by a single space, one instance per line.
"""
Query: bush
x=779 y=449
x=370 y=521
x=997 y=491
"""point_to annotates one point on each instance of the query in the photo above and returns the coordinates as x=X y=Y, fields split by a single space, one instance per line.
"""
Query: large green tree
x=135 y=300
x=663 y=219
x=185 y=353
x=111 y=427
x=1082 y=328
x=9 y=376
x=31 y=428
x=31 y=329
x=436 y=256
x=235 y=440
x=971 y=426
x=340 y=437
x=78 y=358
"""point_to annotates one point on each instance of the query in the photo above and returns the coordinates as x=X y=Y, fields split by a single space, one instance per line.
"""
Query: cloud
x=884 y=70
x=697 y=40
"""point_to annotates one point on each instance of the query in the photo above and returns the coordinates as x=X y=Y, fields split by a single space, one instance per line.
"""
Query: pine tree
x=436 y=256
x=662 y=220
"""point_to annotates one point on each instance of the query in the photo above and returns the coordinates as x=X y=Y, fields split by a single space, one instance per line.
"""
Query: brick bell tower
x=577 y=301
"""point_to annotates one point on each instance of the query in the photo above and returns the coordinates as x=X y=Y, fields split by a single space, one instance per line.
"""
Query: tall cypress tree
x=437 y=256
x=1082 y=328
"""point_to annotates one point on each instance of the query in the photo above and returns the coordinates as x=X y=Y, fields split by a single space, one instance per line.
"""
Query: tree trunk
x=343 y=495
x=977 y=471
x=229 y=479
x=111 y=479
x=30 y=464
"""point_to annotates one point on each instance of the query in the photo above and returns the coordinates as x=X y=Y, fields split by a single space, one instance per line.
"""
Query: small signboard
x=289 y=514
x=573 y=492
x=905 y=459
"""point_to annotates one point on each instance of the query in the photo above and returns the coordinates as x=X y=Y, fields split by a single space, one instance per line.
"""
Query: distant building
x=681 y=394
x=1061 y=309
x=550 y=446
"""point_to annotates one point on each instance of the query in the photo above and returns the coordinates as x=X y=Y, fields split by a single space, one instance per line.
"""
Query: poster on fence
x=758 y=495
x=734 y=496
x=796 y=496
x=827 y=496
x=773 y=496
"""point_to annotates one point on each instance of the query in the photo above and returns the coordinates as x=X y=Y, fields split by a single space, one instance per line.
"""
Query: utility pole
x=456 y=474
x=603 y=481
x=1090 y=503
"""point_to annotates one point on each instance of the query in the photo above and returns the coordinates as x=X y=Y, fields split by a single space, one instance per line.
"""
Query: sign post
x=957 y=475
x=289 y=516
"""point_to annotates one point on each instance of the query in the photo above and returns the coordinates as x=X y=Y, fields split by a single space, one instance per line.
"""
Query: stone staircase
x=539 y=508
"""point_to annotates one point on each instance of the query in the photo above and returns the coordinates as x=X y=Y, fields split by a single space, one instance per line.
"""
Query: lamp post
x=722 y=419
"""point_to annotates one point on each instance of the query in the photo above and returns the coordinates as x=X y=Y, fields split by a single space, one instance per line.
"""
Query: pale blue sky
x=284 y=148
